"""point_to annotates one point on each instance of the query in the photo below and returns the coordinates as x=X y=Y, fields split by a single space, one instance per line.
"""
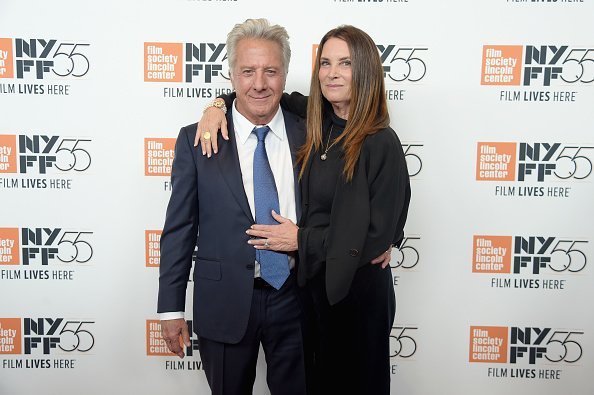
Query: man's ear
x=231 y=79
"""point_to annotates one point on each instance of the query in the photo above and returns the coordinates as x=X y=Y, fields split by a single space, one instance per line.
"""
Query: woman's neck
x=341 y=110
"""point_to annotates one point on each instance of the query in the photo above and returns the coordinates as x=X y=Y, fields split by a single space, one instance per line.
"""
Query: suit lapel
x=305 y=186
x=228 y=161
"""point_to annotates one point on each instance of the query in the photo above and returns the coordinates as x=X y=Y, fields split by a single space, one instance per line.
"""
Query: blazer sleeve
x=389 y=192
x=296 y=103
x=180 y=231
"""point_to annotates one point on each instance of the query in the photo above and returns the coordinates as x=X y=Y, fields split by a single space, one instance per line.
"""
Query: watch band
x=217 y=103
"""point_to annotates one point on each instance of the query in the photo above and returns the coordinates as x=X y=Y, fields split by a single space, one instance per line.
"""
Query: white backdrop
x=493 y=283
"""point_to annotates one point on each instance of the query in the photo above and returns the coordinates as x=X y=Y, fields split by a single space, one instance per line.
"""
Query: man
x=243 y=297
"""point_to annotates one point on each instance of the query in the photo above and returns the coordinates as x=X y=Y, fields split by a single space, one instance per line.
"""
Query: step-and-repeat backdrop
x=492 y=101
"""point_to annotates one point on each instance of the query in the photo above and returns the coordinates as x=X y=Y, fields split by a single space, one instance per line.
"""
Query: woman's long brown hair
x=368 y=110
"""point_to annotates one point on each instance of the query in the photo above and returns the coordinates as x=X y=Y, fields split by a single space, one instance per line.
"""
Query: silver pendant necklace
x=324 y=156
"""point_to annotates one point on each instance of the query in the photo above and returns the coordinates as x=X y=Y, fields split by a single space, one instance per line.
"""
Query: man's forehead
x=257 y=42
x=258 y=48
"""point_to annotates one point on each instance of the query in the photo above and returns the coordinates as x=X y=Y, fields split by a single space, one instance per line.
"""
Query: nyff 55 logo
x=510 y=161
x=38 y=58
x=44 y=246
x=45 y=336
x=532 y=65
x=528 y=254
x=184 y=62
x=502 y=344
x=407 y=255
x=399 y=63
x=40 y=153
x=412 y=155
x=402 y=341
x=403 y=64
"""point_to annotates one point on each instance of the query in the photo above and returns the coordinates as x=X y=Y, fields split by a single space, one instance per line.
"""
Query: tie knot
x=261 y=132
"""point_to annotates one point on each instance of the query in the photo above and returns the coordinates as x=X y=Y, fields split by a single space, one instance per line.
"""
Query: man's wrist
x=173 y=315
x=217 y=103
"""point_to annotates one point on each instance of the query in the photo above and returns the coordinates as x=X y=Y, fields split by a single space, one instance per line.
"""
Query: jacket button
x=249 y=266
x=353 y=252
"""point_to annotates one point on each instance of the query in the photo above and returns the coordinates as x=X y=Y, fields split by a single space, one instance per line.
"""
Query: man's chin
x=261 y=104
x=261 y=115
x=264 y=109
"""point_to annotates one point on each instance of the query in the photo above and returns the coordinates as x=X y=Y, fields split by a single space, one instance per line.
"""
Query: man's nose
x=260 y=82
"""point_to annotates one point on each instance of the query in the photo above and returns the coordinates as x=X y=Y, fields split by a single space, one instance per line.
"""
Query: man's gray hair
x=258 y=29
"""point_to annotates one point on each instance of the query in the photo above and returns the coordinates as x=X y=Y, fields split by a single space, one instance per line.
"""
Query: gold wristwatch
x=217 y=103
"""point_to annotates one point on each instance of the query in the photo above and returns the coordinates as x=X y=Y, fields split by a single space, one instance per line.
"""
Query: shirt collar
x=243 y=127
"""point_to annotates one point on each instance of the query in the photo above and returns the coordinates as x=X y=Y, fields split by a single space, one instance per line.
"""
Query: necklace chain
x=324 y=156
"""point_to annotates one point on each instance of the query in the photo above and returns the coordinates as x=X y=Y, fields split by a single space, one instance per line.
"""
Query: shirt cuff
x=174 y=315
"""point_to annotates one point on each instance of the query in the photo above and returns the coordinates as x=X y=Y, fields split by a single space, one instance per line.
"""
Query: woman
x=355 y=194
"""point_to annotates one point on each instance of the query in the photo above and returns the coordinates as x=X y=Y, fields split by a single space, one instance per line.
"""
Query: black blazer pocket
x=208 y=269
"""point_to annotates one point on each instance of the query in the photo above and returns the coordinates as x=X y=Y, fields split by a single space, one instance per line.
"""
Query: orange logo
x=496 y=162
x=158 y=156
x=163 y=62
x=8 y=155
x=9 y=246
x=491 y=254
x=314 y=53
x=10 y=336
x=155 y=344
x=502 y=65
x=153 y=251
x=6 y=68
x=488 y=344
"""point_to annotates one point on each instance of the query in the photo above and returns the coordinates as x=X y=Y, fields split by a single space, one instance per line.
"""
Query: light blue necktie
x=274 y=266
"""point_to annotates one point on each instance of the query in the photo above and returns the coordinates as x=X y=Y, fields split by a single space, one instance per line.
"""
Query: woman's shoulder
x=383 y=139
x=381 y=150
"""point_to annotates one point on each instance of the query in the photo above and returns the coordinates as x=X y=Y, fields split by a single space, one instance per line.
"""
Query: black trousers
x=275 y=322
x=351 y=351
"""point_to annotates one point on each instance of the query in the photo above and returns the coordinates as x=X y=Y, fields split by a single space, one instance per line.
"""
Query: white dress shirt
x=279 y=157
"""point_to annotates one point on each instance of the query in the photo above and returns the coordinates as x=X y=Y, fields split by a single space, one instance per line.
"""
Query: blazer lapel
x=296 y=136
x=228 y=161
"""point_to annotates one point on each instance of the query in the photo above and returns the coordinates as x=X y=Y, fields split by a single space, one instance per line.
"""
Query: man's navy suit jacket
x=208 y=208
